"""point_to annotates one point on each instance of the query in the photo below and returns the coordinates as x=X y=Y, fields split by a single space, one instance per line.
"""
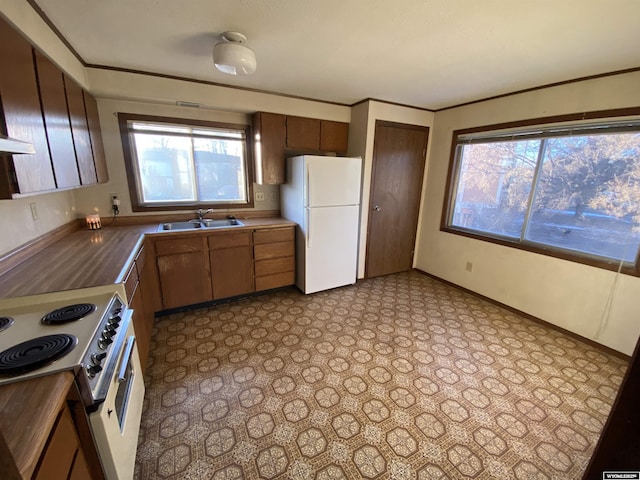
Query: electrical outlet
x=259 y=196
x=274 y=196
x=114 y=199
x=469 y=267
x=34 y=210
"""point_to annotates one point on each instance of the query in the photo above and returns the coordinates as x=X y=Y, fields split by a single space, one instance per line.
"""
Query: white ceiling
x=426 y=53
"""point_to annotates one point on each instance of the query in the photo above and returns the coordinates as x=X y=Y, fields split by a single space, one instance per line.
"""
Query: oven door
x=116 y=422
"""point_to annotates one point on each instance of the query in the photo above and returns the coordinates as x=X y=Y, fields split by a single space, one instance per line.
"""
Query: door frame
x=374 y=163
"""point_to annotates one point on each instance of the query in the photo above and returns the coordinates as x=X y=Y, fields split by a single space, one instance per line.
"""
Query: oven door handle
x=128 y=350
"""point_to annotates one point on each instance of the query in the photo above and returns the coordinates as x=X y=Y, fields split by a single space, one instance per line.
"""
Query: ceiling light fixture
x=232 y=57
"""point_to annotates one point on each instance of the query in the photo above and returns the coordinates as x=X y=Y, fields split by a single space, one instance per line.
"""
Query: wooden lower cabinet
x=64 y=457
x=183 y=271
x=201 y=267
x=58 y=458
x=231 y=261
x=137 y=287
x=274 y=253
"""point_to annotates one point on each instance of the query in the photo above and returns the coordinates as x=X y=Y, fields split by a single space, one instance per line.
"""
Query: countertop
x=81 y=259
x=28 y=411
x=91 y=258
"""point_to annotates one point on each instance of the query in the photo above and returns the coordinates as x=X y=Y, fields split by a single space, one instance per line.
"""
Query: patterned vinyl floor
x=397 y=377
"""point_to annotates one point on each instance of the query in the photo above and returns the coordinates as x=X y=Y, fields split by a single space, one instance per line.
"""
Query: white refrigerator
x=322 y=195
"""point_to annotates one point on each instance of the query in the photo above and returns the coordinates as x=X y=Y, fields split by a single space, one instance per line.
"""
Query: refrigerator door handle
x=308 y=227
x=308 y=185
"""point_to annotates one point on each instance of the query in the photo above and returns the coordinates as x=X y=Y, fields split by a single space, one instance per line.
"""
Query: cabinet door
x=93 y=121
x=184 y=279
x=80 y=132
x=270 y=136
x=303 y=133
x=22 y=114
x=231 y=259
x=334 y=136
x=56 y=119
x=57 y=460
x=231 y=272
x=80 y=469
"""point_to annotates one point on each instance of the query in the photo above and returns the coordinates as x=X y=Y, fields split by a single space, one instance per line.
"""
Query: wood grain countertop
x=28 y=411
x=91 y=258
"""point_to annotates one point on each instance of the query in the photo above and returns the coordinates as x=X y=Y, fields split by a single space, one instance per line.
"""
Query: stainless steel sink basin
x=196 y=224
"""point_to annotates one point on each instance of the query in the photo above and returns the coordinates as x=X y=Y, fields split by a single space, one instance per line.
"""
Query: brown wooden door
x=22 y=113
x=303 y=133
x=56 y=119
x=270 y=131
x=396 y=184
x=80 y=132
x=231 y=259
x=183 y=271
x=97 y=146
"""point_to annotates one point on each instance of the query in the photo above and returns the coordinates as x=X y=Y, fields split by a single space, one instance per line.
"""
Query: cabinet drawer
x=58 y=458
x=273 y=235
x=179 y=245
x=141 y=259
x=227 y=240
x=274 y=281
x=131 y=281
x=273 y=250
x=274 y=265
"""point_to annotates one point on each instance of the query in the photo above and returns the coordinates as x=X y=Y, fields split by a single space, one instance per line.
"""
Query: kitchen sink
x=195 y=224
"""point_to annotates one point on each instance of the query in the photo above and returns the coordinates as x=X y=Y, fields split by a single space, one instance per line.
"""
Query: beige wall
x=363 y=123
x=142 y=94
x=567 y=294
x=17 y=223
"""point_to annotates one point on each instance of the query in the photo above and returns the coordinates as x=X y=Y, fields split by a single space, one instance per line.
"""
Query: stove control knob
x=105 y=341
x=97 y=358
x=115 y=320
x=110 y=329
x=92 y=370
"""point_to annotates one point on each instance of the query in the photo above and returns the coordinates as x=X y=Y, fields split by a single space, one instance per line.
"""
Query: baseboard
x=528 y=316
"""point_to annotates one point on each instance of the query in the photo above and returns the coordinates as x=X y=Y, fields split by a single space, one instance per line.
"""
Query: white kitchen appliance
x=322 y=195
x=89 y=332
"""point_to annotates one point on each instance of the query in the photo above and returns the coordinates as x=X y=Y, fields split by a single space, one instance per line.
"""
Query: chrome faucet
x=201 y=213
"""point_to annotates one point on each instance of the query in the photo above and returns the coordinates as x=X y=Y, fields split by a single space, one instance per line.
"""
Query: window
x=173 y=163
x=571 y=191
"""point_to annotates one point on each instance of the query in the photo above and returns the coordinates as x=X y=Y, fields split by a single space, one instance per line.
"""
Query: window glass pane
x=165 y=168
x=494 y=181
x=588 y=195
x=220 y=169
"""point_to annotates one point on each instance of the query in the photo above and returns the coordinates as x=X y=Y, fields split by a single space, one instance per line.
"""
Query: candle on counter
x=93 y=222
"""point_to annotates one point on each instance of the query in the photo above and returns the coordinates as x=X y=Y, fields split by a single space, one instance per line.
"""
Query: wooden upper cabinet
x=334 y=136
x=270 y=135
x=80 y=132
x=93 y=121
x=56 y=119
x=303 y=133
x=22 y=116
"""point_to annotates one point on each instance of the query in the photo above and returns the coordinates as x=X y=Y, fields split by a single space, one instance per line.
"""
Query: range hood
x=11 y=145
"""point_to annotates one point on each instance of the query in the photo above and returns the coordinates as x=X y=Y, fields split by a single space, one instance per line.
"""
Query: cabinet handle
x=128 y=350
